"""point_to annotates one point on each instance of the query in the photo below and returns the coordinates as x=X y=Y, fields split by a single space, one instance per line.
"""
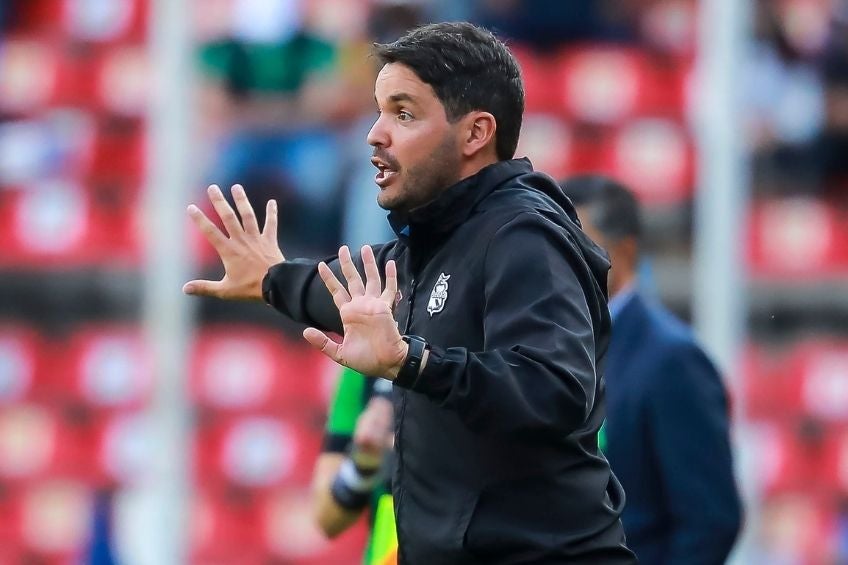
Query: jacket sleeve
x=688 y=422
x=294 y=289
x=536 y=373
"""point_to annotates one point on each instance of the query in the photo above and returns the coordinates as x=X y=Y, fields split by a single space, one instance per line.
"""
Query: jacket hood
x=594 y=254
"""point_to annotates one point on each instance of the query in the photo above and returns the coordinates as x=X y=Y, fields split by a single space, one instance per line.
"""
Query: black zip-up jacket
x=496 y=440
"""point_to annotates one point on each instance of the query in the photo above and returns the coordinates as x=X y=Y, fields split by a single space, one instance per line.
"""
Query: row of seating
x=255 y=451
x=49 y=522
x=232 y=369
x=810 y=379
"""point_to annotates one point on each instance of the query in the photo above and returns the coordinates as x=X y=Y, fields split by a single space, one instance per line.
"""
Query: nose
x=378 y=136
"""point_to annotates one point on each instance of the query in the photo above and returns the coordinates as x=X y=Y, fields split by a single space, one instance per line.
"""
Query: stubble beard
x=424 y=182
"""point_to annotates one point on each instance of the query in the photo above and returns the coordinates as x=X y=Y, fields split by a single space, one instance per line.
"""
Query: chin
x=389 y=202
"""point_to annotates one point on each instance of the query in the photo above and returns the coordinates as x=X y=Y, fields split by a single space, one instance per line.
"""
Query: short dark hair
x=469 y=69
x=614 y=208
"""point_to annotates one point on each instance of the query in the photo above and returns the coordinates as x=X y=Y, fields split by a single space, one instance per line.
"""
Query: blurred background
x=139 y=426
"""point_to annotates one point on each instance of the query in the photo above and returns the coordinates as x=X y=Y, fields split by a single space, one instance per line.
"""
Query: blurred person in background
x=351 y=472
x=504 y=390
x=667 y=430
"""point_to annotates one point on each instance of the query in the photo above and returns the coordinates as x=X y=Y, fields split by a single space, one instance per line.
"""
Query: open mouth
x=385 y=174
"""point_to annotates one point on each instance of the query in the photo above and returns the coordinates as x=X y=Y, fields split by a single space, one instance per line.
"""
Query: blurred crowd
x=284 y=100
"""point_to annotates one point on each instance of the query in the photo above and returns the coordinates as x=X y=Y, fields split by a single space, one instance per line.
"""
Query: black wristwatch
x=408 y=372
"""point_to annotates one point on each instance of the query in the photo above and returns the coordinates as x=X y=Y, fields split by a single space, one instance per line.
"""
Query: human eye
x=404 y=116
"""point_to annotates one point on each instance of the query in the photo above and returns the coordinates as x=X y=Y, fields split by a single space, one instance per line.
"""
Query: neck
x=475 y=165
x=623 y=284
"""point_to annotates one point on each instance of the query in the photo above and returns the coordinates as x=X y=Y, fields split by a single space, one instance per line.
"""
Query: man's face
x=622 y=253
x=416 y=149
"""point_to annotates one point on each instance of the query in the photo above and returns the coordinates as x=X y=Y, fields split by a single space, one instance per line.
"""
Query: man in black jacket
x=493 y=322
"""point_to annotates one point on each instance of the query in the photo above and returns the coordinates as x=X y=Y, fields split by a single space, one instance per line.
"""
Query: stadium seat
x=653 y=156
x=124 y=81
x=105 y=367
x=104 y=21
x=797 y=238
x=765 y=386
x=547 y=141
x=29 y=75
x=121 y=449
x=22 y=357
x=250 y=368
x=782 y=461
x=28 y=441
x=671 y=25
x=46 y=225
x=56 y=518
x=608 y=85
x=536 y=70
x=796 y=527
x=290 y=534
x=819 y=379
x=223 y=528
x=255 y=452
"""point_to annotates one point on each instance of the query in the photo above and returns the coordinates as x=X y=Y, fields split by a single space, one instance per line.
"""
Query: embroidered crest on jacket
x=439 y=295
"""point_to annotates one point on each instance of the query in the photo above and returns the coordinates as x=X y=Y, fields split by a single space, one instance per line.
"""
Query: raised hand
x=246 y=252
x=372 y=343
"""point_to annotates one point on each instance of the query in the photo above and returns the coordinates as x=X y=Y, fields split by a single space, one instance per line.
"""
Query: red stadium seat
x=796 y=527
x=105 y=367
x=607 y=85
x=50 y=224
x=536 y=70
x=36 y=442
x=56 y=518
x=819 y=380
x=782 y=461
x=223 y=529
x=22 y=357
x=765 y=385
x=797 y=238
x=121 y=449
x=249 y=368
x=547 y=141
x=124 y=81
x=654 y=157
x=112 y=21
x=671 y=25
x=289 y=532
x=29 y=75
x=256 y=452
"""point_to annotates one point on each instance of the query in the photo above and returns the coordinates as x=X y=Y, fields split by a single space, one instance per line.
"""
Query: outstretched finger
x=373 y=284
x=224 y=210
x=245 y=210
x=390 y=292
x=322 y=342
x=354 y=282
x=270 y=229
x=208 y=229
x=336 y=288
x=203 y=288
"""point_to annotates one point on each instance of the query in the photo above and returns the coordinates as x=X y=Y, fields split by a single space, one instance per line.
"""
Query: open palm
x=371 y=343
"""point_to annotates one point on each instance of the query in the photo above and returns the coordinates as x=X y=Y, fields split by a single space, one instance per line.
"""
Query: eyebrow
x=399 y=97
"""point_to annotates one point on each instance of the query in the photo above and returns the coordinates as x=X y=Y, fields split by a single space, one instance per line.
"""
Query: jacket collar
x=453 y=206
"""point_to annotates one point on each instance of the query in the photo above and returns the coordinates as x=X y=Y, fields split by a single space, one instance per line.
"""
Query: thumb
x=322 y=342
x=202 y=288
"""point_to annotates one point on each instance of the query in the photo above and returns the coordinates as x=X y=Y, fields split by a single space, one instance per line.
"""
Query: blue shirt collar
x=620 y=300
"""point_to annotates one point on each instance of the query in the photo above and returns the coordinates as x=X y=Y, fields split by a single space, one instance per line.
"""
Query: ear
x=478 y=133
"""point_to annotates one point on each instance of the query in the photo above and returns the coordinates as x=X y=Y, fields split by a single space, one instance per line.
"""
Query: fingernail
x=274 y=205
x=192 y=209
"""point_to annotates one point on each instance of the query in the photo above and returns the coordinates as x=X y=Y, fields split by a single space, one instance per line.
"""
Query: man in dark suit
x=666 y=431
